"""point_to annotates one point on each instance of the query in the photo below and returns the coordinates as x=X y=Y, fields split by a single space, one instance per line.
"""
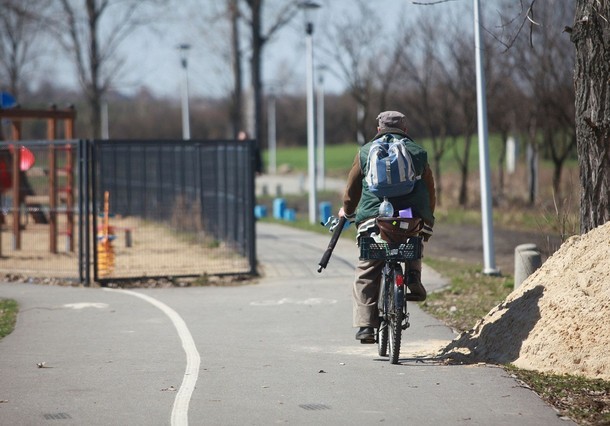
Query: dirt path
x=465 y=242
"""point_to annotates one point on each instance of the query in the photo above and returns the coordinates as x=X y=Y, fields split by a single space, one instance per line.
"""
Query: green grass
x=586 y=401
x=338 y=158
x=8 y=316
x=470 y=295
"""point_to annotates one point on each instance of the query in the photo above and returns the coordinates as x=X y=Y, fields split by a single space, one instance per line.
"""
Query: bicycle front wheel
x=395 y=316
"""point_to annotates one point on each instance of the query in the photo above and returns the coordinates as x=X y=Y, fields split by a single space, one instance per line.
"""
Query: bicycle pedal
x=367 y=341
x=405 y=326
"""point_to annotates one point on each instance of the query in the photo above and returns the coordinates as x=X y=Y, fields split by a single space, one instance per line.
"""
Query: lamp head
x=309 y=7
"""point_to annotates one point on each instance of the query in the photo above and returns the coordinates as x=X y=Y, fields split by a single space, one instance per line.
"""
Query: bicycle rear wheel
x=396 y=297
x=382 y=339
x=382 y=305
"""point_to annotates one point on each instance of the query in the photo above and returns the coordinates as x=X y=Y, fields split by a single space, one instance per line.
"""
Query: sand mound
x=557 y=321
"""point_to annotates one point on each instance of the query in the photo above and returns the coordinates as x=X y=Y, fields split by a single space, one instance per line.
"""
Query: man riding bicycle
x=362 y=206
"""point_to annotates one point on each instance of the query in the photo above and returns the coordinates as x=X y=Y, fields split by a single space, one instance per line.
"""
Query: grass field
x=338 y=158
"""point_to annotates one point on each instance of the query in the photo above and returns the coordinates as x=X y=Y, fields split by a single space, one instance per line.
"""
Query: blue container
x=326 y=209
x=290 y=215
x=260 y=211
x=279 y=206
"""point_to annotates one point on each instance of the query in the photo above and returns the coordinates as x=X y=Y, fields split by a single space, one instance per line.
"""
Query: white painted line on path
x=191 y=373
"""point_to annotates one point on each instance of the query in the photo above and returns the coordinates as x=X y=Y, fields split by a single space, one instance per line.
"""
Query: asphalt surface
x=280 y=350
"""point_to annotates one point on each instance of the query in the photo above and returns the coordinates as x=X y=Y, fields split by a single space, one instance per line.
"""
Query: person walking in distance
x=361 y=205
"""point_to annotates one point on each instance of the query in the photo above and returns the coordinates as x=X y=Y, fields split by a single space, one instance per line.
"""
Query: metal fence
x=172 y=208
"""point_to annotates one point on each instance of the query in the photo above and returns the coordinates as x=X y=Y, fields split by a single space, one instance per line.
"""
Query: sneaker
x=418 y=292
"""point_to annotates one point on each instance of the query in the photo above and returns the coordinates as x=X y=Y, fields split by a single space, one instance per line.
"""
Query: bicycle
x=400 y=241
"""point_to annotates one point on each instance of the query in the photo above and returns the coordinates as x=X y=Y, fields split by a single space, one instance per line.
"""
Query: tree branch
x=418 y=3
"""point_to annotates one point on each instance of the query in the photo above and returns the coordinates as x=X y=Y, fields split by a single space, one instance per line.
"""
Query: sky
x=152 y=59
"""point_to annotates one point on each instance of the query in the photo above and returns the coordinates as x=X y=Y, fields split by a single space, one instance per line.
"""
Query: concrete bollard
x=290 y=215
x=260 y=211
x=325 y=210
x=128 y=238
x=527 y=260
x=279 y=206
x=302 y=183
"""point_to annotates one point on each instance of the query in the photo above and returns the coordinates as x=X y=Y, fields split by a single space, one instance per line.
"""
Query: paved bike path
x=279 y=351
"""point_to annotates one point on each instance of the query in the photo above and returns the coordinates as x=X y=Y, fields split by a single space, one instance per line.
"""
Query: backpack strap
x=404 y=151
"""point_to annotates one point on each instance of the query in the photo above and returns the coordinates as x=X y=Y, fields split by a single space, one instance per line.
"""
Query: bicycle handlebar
x=331 y=245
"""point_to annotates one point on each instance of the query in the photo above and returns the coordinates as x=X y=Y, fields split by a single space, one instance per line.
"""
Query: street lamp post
x=487 y=221
x=309 y=7
x=271 y=134
x=320 y=129
x=186 y=126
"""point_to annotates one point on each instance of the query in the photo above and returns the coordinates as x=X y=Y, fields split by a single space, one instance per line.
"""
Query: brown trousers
x=366 y=291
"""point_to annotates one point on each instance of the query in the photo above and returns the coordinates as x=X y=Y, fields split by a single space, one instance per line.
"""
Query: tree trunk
x=94 y=68
x=591 y=37
x=464 y=169
x=256 y=79
x=438 y=181
x=237 y=96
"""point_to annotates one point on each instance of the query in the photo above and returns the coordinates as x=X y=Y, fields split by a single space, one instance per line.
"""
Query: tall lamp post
x=487 y=221
x=320 y=128
x=271 y=134
x=186 y=126
x=308 y=8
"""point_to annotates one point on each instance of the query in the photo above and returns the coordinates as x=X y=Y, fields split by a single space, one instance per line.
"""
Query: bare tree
x=355 y=54
x=91 y=31
x=20 y=27
x=259 y=36
x=589 y=34
x=544 y=61
x=236 y=111
x=459 y=79
x=430 y=104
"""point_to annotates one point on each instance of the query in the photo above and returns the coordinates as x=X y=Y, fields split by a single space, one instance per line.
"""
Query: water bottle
x=385 y=208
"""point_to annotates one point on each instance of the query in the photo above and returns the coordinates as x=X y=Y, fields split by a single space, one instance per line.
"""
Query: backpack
x=390 y=171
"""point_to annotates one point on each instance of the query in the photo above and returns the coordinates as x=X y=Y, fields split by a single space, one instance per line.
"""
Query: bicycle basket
x=410 y=249
x=399 y=230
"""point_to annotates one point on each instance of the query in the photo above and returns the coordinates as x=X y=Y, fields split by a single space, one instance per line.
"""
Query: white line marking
x=287 y=300
x=84 y=305
x=191 y=373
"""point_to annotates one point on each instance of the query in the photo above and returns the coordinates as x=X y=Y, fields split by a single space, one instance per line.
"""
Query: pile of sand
x=557 y=321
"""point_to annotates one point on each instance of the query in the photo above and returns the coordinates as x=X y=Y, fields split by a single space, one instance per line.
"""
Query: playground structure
x=22 y=159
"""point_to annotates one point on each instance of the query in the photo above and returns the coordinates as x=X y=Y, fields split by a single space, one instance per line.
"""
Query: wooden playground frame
x=53 y=117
